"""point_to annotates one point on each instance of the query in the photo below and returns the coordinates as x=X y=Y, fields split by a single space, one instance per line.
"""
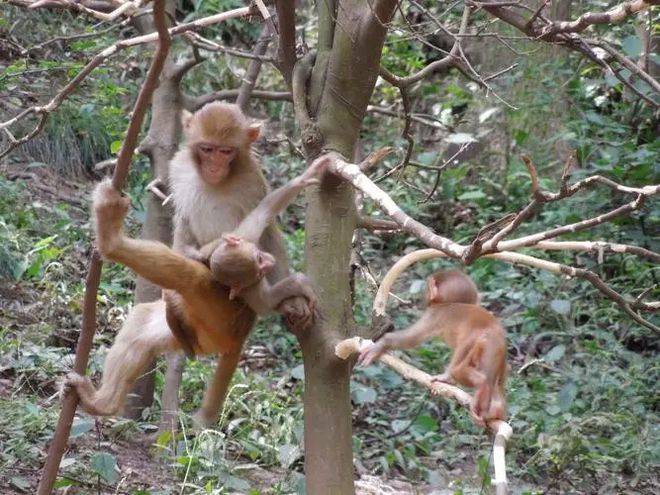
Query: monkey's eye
x=260 y=259
x=206 y=149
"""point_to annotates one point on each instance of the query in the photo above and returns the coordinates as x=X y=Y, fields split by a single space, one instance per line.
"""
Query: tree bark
x=340 y=85
x=159 y=145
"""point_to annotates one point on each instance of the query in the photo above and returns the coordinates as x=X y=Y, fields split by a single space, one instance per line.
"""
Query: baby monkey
x=238 y=262
x=476 y=337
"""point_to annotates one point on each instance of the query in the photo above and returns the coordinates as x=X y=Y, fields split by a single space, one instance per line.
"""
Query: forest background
x=582 y=389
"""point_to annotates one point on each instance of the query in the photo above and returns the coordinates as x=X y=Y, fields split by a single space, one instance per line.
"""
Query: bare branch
x=250 y=79
x=230 y=94
x=70 y=402
x=447 y=247
x=205 y=44
x=566 y=191
x=614 y=15
x=375 y=157
x=545 y=31
x=599 y=247
x=628 y=64
x=629 y=306
x=352 y=173
x=43 y=111
x=375 y=224
x=286 y=49
x=93 y=8
x=451 y=60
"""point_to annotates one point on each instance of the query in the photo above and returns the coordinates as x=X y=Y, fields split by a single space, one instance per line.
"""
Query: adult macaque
x=219 y=324
x=236 y=261
x=475 y=335
x=215 y=182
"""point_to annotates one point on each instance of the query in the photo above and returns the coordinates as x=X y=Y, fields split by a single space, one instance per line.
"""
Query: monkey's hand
x=306 y=290
x=110 y=208
x=370 y=353
x=314 y=172
x=298 y=313
x=195 y=254
x=68 y=384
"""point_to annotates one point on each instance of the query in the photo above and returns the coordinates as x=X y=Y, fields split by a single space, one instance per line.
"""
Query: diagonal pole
x=70 y=401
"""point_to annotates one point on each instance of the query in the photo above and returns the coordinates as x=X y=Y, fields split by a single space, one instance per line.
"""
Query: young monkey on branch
x=476 y=337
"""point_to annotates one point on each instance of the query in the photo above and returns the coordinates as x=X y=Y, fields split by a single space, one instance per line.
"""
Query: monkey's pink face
x=214 y=162
x=265 y=262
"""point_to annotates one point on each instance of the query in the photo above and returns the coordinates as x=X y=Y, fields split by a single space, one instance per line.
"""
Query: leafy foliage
x=583 y=375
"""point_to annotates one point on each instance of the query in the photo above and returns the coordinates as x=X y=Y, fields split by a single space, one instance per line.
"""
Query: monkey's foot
x=89 y=398
x=202 y=420
x=70 y=383
x=443 y=378
x=478 y=420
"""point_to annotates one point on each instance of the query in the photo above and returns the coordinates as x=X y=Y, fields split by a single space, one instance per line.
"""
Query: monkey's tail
x=489 y=400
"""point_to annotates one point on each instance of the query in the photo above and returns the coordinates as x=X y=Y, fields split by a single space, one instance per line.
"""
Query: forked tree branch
x=542 y=28
x=125 y=8
x=43 y=111
x=612 y=16
x=70 y=400
x=502 y=430
x=446 y=247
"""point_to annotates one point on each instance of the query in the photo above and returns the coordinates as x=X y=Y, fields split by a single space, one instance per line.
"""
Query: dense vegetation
x=582 y=388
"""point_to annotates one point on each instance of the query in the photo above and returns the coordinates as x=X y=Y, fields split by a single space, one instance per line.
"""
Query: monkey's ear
x=253 y=132
x=186 y=118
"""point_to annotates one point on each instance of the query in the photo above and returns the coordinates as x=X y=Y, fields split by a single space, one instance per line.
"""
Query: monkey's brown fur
x=220 y=325
x=476 y=336
x=204 y=211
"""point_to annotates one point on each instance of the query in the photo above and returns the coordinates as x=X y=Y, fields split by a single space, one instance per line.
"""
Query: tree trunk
x=160 y=145
x=341 y=83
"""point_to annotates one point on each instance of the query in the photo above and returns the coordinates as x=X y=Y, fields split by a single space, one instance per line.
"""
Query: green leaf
x=567 y=395
x=20 y=483
x=298 y=372
x=63 y=483
x=80 y=427
x=115 y=146
x=561 y=306
x=364 y=395
x=520 y=136
x=553 y=410
x=288 y=454
x=556 y=353
x=426 y=424
x=105 y=465
x=472 y=195
x=398 y=425
x=632 y=46
x=236 y=483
